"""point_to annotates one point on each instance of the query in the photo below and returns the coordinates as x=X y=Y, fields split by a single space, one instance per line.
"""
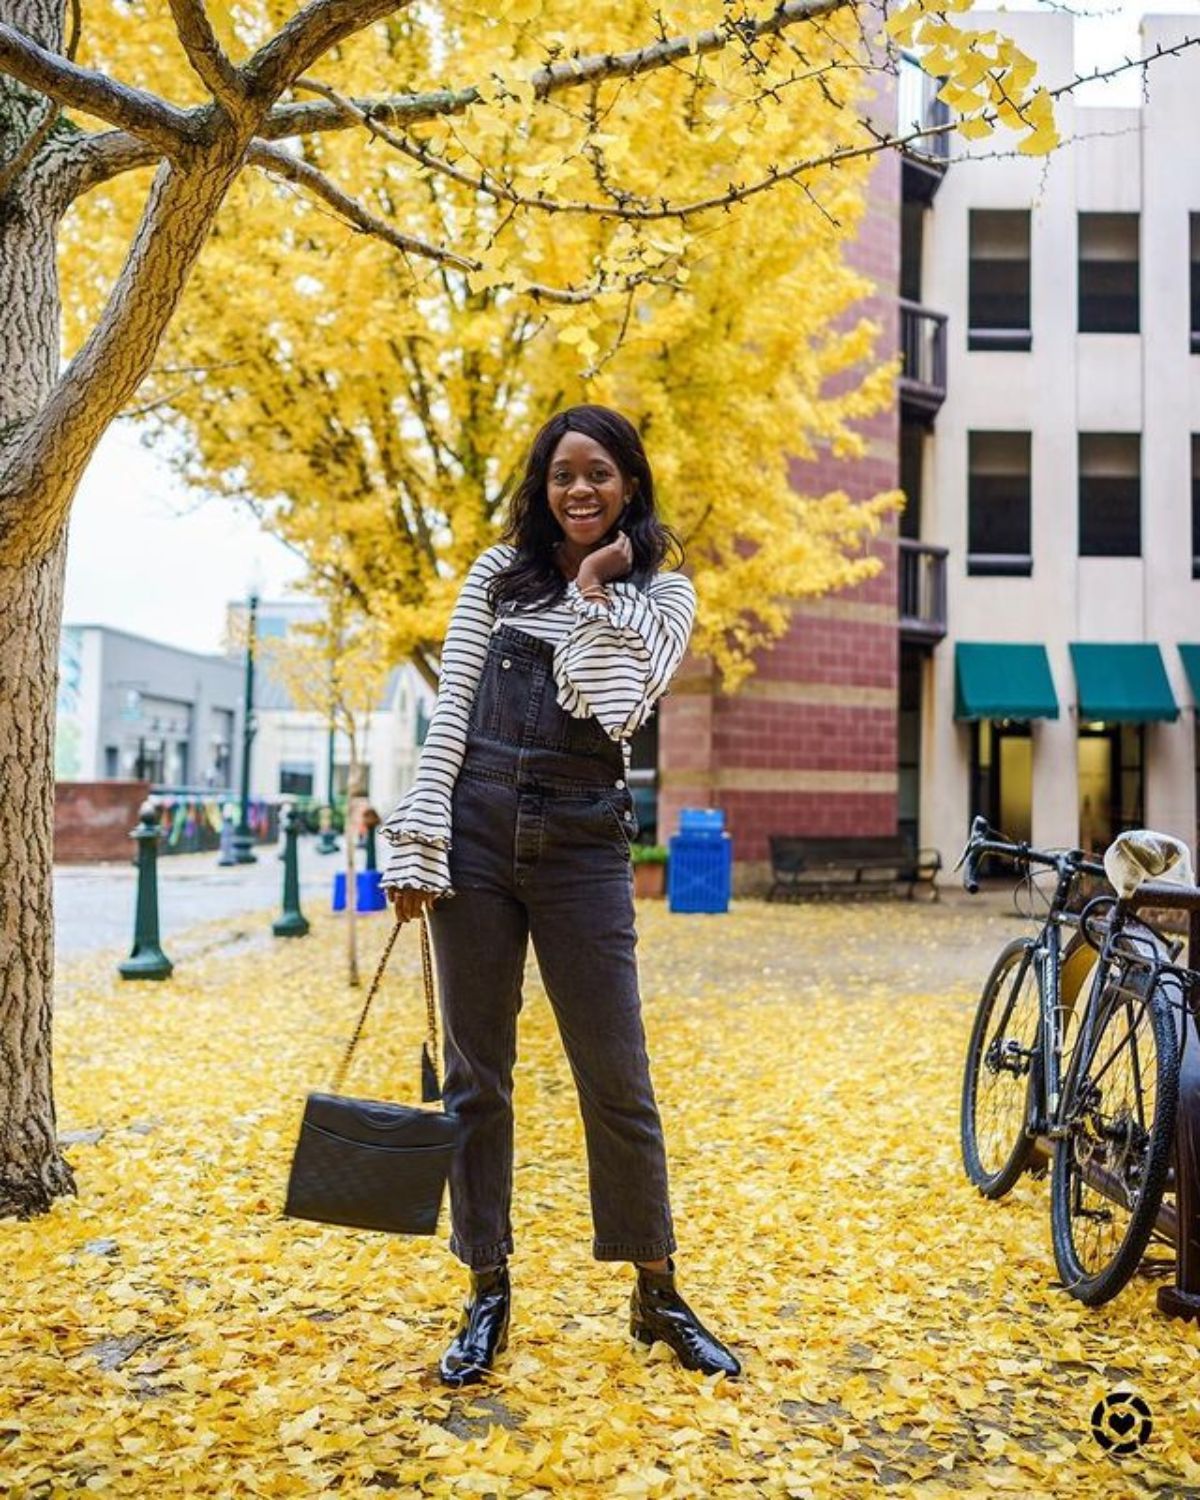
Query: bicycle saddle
x=1141 y=854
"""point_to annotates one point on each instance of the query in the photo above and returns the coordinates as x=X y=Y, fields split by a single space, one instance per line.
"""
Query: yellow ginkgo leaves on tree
x=986 y=77
x=376 y=405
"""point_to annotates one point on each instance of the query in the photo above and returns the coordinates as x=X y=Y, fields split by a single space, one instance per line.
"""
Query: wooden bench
x=849 y=867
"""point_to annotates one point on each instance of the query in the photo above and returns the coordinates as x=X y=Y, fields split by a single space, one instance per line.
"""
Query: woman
x=562 y=640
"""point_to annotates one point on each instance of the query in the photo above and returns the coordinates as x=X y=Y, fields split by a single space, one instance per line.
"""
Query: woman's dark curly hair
x=533 y=579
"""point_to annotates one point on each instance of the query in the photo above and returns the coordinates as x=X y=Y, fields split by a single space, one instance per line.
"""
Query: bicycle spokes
x=1111 y=1158
x=997 y=1077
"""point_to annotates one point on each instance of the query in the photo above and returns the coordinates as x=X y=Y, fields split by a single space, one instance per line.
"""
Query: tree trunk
x=49 y=428
x=32 y=1171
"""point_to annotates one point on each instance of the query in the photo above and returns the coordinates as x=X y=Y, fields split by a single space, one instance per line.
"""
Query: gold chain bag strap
x=429 y=1084
x=371 y=1164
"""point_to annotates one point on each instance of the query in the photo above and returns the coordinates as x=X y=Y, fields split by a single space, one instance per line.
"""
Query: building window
x=1110 y=494
x=112 y=767
x=998 y=293
x=998 y=504
x=296 y=778
x=1108 y=273
x=1196 y=507
x=1194 y=229
x=148 y=765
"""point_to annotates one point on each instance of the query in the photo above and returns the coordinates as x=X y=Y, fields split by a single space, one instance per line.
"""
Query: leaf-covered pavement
x=169 y=1333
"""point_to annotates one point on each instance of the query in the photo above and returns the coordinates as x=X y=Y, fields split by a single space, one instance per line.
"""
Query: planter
x=649 y=879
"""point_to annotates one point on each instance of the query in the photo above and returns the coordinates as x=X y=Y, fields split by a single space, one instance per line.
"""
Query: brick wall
x=808 y=745
x=93 y=820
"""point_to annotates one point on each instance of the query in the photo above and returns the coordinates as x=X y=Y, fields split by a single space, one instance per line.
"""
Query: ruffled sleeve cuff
x=418 y=833
x=418 y=865
x=422 y=816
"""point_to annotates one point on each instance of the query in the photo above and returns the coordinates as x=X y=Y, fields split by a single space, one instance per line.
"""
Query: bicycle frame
x=1049 y=957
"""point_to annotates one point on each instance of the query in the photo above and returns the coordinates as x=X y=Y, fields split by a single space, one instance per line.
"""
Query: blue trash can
x=369 y=894
x=700 y=862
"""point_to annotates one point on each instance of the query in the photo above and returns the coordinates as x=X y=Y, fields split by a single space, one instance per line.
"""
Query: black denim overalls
x=540 y=829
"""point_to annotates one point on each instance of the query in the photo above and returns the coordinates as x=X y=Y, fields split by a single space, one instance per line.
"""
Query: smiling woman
x=519 y=826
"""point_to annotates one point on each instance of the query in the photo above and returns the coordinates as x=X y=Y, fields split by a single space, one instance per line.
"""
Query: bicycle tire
x=994 y=1167
x=1095 y=1284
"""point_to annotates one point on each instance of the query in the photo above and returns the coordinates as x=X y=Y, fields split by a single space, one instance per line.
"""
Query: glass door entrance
x=1111 y=793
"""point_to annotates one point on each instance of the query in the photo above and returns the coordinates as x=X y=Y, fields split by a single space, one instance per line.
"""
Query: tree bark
x=32 y=1171
x=49 y=428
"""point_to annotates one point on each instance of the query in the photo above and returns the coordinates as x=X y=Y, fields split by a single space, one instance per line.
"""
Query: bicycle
x=1102 y=1108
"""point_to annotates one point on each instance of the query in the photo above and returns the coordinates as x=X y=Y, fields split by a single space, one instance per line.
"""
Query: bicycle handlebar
x=981 y=842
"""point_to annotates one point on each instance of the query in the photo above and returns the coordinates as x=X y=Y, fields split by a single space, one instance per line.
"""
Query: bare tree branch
x=301 y=119
x=623 y=204
x=209 y=63
x=280 y=163
x=119 y=104
x=95 y=159
x=311 y=32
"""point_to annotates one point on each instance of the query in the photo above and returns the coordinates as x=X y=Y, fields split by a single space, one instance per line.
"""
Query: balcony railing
x=923 y=350
x=922 y=592
x=918 y=108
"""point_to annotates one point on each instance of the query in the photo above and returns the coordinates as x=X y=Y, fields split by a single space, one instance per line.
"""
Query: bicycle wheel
x=1111 y=1166
x=998 y=1072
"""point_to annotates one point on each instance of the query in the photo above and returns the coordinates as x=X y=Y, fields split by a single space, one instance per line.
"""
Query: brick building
x=809 y=744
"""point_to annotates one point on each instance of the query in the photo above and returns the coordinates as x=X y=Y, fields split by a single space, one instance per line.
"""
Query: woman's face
x=585 y=491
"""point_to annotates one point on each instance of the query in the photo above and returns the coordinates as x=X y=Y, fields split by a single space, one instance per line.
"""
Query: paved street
x=94 y=904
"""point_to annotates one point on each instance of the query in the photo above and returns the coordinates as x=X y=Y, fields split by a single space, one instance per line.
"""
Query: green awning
x=1191 y=665
x=994 y=680
x=1123 y=684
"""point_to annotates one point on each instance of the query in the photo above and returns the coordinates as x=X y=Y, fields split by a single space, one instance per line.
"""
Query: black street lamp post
x=243 y=839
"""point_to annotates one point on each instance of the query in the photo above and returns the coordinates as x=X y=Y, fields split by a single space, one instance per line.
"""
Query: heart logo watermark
x=1121 y=1422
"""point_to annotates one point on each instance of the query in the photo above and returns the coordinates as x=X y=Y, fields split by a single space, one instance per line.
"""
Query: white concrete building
x=1060 y=471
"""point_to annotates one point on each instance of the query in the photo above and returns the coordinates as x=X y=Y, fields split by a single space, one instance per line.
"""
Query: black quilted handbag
x=369 y=1164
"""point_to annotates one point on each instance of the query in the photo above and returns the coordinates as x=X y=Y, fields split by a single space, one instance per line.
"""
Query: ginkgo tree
x=257 y=93
x=388 y=464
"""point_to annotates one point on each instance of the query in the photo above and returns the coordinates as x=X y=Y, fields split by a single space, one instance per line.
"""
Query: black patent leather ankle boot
x=657 y=1311
x=482 y=1329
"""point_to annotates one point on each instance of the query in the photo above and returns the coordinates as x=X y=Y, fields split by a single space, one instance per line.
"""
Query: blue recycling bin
x=369 y=894
x=700 y=862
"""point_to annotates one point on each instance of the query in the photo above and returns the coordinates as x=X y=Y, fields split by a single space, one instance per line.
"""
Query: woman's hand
x=409 y=901
x=606 y=563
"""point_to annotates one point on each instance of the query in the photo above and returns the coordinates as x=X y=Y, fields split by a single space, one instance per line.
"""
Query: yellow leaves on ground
x=168 y=1333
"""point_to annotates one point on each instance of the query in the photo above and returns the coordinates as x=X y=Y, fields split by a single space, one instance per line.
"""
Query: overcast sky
x=147 y=558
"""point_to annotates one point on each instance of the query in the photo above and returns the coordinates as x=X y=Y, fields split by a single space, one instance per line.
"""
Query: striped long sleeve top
x=614 y=661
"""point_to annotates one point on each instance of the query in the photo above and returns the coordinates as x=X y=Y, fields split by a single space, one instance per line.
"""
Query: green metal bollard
x=146 y=960
x=293 y=922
